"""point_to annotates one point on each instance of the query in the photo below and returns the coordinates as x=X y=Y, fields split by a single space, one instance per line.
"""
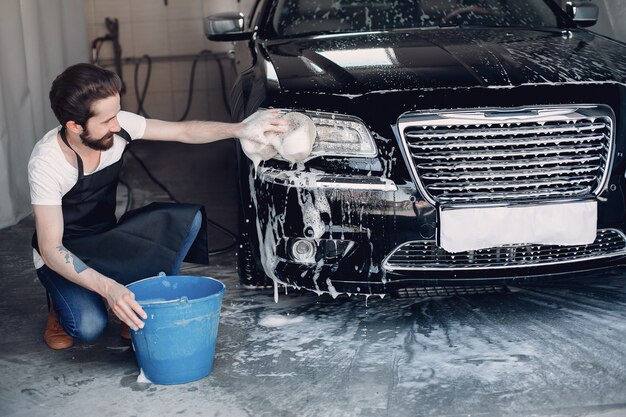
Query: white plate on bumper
x=471 y=228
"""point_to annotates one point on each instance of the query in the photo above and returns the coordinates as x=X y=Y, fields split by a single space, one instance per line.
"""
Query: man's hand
x=260 y=126
x=123 y=304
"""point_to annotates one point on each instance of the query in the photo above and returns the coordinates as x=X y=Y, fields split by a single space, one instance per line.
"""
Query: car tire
x=251 y=275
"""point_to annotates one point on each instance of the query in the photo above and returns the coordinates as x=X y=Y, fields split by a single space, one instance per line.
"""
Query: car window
x=294 y=17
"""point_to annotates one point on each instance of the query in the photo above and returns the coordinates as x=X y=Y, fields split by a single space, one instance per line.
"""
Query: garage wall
x=171 y=32
x=612 y=19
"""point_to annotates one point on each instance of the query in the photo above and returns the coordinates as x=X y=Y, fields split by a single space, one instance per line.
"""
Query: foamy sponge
x=295 y=145
x=257 y=152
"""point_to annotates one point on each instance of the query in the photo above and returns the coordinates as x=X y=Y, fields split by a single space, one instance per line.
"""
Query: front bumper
x=370 y=235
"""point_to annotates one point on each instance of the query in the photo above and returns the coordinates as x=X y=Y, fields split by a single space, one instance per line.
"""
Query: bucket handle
x=183 y=299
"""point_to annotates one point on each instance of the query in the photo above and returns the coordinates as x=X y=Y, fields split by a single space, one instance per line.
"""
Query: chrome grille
x=504 y=155
x=426 y=255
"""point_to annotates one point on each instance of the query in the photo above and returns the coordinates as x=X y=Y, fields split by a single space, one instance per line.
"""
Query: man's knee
x=90 y=325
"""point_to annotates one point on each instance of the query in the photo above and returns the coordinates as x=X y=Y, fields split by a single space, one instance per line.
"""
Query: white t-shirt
x=51 y=176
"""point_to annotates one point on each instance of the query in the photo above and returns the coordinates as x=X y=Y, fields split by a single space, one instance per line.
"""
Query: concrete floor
x=553 y=350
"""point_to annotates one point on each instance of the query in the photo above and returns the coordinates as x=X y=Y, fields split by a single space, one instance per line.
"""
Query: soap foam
x=142 y=379
x=276 y=320
x=295 y=145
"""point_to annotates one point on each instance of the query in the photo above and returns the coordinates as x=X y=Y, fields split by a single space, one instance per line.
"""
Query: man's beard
x=102 y=144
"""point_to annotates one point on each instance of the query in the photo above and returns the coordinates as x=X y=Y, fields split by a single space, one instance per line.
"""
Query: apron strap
x=124 y=134
x=79 y=161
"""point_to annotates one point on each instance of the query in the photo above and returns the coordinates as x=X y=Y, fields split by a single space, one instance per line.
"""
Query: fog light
x=303 y=250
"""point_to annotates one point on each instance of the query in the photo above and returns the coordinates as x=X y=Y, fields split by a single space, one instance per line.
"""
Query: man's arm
x=49 y=226
x=190 y=131
x=195 y=132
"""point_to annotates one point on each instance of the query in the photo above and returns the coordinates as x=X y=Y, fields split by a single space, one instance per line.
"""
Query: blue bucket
x=177 y=343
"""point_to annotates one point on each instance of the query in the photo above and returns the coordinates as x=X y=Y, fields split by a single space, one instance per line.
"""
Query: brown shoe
x=54 y=336
x=124 y=331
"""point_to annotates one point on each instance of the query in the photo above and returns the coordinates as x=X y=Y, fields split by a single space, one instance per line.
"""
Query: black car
x=459 y=143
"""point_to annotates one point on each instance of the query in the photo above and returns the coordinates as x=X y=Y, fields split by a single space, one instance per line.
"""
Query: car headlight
x=340 y=135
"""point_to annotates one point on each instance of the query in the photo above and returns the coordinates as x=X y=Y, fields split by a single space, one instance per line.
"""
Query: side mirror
x=584 y=14
x=226 y=27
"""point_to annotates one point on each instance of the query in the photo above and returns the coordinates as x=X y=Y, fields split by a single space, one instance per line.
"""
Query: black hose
x=141 y=95
x=113 y=27
x=96 y=44
x=191 y=82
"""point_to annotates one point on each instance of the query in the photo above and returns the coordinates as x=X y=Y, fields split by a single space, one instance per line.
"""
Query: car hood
x=443 y=58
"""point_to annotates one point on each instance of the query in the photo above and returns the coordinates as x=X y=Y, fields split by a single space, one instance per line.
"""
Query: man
x=83 y=255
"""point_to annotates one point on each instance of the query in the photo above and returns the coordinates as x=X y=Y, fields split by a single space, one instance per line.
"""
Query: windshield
x=296 y=17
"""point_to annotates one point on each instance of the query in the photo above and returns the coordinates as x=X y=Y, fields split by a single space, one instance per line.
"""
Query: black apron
x=143 y=243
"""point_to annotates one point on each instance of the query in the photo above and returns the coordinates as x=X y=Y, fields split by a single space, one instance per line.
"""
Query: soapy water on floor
x=539 y=349
x=275 y=320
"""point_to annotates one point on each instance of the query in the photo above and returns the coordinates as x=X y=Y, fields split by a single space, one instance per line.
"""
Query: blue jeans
x=82 y=312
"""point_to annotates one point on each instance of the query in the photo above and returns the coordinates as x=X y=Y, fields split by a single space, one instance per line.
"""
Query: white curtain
x=38 y=39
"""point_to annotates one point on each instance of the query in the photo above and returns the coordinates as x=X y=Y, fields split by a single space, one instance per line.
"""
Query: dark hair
x=74 y=91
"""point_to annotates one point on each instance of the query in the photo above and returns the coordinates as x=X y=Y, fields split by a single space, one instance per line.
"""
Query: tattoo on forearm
x=79 y=266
